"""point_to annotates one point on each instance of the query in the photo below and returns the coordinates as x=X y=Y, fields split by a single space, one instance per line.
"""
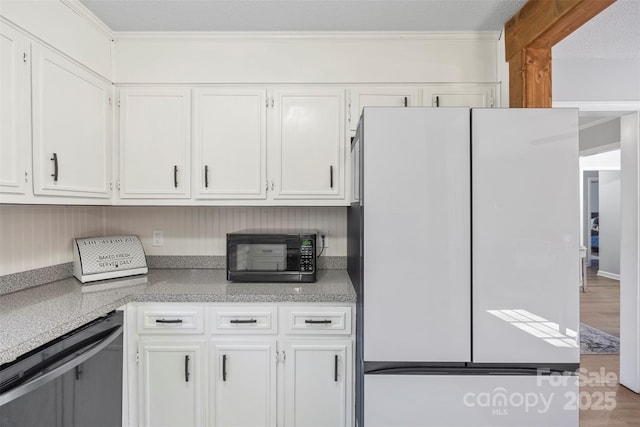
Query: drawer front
x=178 y=319
x=244 y=320
x=317 y=320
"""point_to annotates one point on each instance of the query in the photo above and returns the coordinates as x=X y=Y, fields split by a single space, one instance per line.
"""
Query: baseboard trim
x=608 y=275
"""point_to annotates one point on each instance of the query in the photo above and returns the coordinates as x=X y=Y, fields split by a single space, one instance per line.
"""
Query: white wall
x=40 y=236
x=202 y=230
x=265 y=58
x=609 y=208
x=67 y=27
x=604 y=134
x=630 y=257
x=609 y=160
x=594 y=79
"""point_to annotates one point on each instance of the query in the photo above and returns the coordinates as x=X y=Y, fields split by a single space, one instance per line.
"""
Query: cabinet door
x=318 y=383
x=243 y=384
x=171 y=377
x=155 y=129
x=471 y=95
x=71 y=127
x=230 y=144
x=308 y=145
x=14 y=113
x=379 y=97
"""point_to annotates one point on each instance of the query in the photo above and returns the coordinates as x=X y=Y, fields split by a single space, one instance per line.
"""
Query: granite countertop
x=37 y=315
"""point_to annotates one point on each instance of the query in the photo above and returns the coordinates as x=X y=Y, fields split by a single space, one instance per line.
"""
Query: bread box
x=99 y=258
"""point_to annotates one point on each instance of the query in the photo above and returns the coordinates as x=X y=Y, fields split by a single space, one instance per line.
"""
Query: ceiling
x=304 y=15
x=613 y=33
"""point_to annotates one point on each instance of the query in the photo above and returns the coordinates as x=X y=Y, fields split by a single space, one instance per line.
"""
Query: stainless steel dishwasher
x=75 y=380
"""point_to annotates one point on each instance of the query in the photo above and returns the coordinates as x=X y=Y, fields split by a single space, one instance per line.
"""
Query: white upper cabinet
x=462 y=95
x=155 y=143
x=15 y=162
x=71 y=128
x=230 y=160
x=306 y=147
x=379 y=97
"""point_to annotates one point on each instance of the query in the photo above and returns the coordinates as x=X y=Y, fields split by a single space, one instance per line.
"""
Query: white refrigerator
x=463 y=248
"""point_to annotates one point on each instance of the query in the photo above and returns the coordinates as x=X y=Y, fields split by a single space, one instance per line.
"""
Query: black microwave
x=272 y=256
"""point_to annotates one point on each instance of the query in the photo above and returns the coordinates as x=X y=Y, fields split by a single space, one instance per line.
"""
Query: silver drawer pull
x=239 y=321
x=317 y=322
x=173 y=321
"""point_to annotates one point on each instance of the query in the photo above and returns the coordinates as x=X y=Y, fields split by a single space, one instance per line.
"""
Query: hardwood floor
x=600 y=308
x=600 y=305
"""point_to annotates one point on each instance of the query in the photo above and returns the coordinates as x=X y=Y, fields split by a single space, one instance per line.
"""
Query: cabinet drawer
x=169 y=319
x=244 y=320
x=317 y=320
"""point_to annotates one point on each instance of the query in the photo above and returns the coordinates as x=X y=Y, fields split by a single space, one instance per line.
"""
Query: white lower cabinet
x=171 y=387
x=318 y=383
x=243 y=383
x=242 y=365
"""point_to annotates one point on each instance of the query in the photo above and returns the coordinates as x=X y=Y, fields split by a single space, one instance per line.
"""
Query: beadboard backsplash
x=40 y=236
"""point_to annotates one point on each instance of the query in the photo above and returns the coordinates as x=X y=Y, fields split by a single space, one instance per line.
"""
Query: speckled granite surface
x=332 y=263
x=34 y=316
x=27 y=279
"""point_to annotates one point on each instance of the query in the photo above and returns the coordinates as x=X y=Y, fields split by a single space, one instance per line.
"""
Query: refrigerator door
x=525 y=236
x=416 y=204
x=470 y=401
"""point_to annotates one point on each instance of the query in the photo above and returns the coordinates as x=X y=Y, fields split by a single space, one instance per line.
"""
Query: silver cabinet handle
x=206 y=176
x=241 y=321
x=186 y=368
x=169 y=321
x=224 y=367
x=175 y=176
x=331 y=176
x=54 y=159
x=317 y=322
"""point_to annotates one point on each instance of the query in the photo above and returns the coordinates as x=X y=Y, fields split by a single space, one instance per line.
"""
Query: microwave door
x=267 y=257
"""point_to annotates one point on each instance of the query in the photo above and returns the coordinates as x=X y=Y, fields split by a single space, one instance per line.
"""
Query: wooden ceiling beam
x=529 y=37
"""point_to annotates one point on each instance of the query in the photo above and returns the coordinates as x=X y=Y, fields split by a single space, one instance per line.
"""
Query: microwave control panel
x=306 y=255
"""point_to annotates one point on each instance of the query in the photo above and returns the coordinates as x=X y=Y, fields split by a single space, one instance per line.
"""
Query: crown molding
x=303 y=35
x=82 y=11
